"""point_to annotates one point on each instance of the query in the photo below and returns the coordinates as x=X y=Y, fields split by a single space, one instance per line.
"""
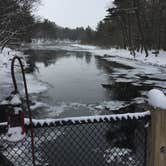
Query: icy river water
x=79 y=83
x=69 y=81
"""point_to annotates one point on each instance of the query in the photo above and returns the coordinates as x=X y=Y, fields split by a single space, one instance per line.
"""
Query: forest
x=16 y=21
x=137 y=25
x=134 y=24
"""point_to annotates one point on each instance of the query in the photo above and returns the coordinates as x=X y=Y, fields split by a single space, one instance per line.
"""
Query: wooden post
x=157 y=139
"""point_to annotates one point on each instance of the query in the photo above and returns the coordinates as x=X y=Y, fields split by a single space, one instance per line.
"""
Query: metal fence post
x=157 y=139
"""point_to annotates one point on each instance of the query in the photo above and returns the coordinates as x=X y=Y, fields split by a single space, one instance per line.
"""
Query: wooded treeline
x=139 y=25
x=135 y=24
x=46 y=29
x=16 y=21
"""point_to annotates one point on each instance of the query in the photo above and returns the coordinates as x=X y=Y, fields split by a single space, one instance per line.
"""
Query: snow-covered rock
x=157 y=98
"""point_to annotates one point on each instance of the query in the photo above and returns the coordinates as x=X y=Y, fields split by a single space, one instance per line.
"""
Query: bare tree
x=16 y=20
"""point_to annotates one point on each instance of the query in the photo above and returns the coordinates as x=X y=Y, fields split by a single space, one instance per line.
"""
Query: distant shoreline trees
x=46 y=30
x=139 y=25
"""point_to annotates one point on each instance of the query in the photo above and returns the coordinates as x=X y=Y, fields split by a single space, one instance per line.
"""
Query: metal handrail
x=16 y=58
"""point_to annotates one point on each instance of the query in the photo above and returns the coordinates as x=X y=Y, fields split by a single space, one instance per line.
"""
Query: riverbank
x=160 y=60
x=34 y=85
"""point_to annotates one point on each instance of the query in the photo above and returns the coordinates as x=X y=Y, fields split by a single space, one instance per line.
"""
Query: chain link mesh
x=111 y=143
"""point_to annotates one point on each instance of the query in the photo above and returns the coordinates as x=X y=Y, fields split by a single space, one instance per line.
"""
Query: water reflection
x=48 y=57
x=74 y=76
x=77 y=78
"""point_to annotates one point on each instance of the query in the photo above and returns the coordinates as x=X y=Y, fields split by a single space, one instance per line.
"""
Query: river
x=79 y=83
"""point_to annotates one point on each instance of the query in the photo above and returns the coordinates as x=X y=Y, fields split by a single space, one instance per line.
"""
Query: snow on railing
x=88 y=119
x=85 y=119
x=3 y=124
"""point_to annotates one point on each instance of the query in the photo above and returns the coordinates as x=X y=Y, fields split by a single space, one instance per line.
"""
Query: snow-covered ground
x=152 y=59
x=142 y=71
x=34 y=85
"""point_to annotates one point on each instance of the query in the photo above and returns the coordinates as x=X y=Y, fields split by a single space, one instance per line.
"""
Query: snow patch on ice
x=57 y=110
x=35 y=86
x=86 y=47
x=37 y=105
x=112 y=105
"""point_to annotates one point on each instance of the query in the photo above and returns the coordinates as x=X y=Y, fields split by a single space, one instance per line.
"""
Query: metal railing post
x=27 y=100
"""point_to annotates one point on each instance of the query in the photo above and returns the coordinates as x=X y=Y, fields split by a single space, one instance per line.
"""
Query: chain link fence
x=101 y=142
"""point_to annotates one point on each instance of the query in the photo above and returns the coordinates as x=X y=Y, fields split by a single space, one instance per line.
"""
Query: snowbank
x=157 y=99
x=34 y=85
x=152 y=59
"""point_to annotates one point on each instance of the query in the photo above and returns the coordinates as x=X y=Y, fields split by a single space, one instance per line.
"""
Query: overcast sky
x=73 y=13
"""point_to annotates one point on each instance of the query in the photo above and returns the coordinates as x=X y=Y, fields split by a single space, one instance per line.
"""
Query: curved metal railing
x=16 y=58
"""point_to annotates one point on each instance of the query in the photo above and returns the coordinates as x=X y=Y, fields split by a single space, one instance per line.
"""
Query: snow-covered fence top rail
x=88 y=119
x=85 y=119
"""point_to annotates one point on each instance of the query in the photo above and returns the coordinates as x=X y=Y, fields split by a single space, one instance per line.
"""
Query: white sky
x=73 y=13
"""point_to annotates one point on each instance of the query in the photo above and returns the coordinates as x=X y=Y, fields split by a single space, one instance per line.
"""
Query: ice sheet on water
x=140 y=75
x=86 y=47
x=37 y=105
x=111 y=105
x=77 y=108
x=35 y=85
